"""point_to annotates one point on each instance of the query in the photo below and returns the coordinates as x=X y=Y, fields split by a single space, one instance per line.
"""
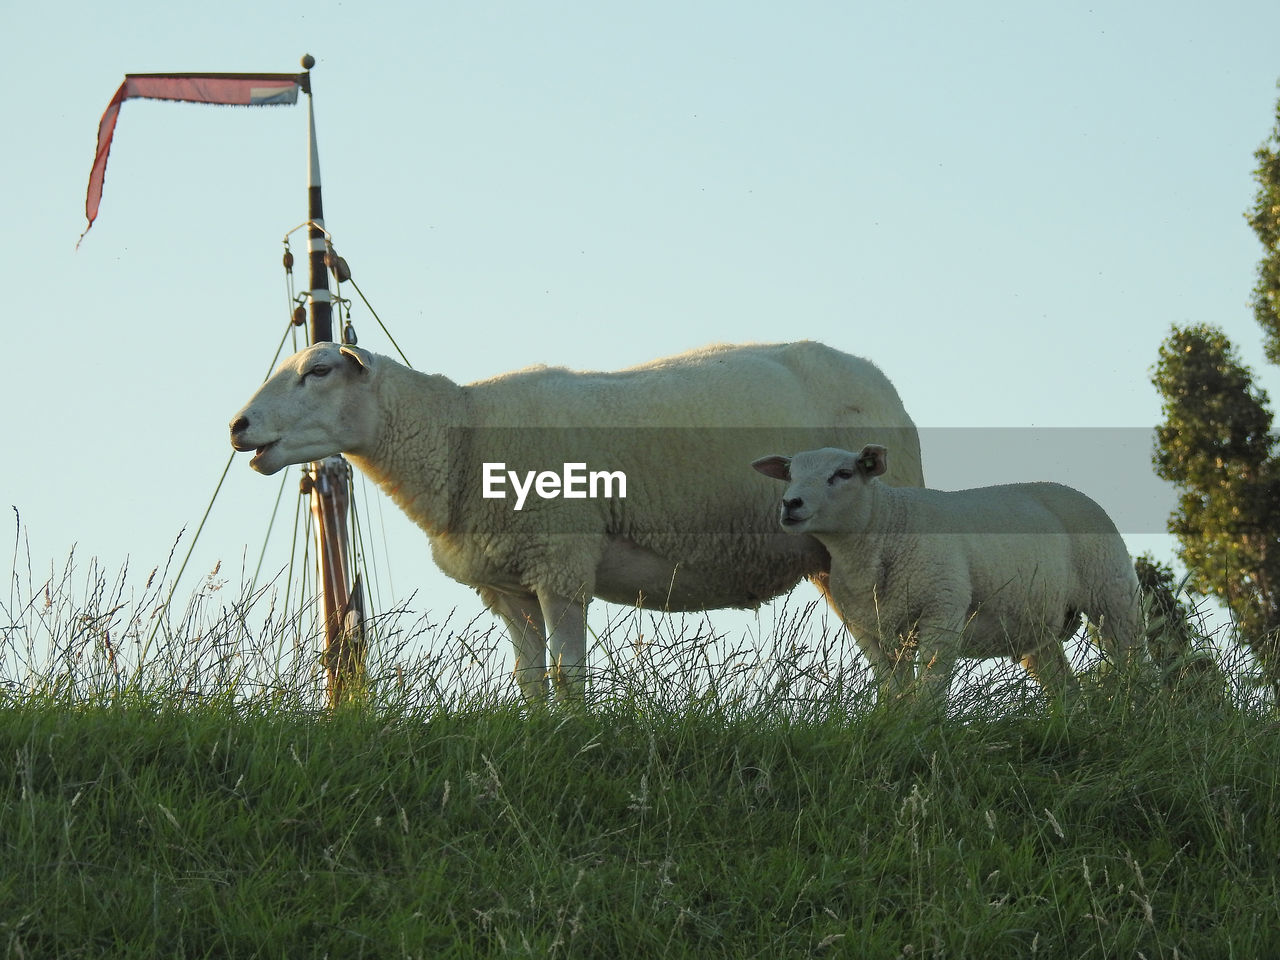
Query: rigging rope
x=195 y=538
x=293 y=552
x=267 y=537
x=381 y=324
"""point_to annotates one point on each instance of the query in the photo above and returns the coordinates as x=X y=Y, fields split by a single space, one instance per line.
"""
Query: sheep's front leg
x=938 y=648
x=523 y=616
x=567 y=642
x=893 y=674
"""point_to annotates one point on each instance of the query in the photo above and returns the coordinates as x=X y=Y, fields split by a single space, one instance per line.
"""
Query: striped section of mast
x=321 y=307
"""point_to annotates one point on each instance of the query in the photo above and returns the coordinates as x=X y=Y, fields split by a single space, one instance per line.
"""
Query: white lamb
x=673 y=538
x=932 y=575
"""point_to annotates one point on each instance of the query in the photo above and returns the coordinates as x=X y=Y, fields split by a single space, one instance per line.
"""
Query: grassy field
x=181 y=794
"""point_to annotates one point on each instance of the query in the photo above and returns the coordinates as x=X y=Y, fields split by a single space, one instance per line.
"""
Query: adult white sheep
x=689 y=532
x=931 y=575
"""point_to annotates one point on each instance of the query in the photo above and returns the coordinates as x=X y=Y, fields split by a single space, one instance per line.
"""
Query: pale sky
x=1004 y=205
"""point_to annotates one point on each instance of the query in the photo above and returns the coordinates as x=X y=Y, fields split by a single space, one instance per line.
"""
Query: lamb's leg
x=937 y=650
x=567 y=642
x=1120 y=625
x=892 y=677
x=1052 y=670
x=523 y=617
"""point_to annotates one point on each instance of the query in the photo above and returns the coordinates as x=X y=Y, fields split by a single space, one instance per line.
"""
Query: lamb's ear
x=873 y=460
x=777 y=467
x=362 y=358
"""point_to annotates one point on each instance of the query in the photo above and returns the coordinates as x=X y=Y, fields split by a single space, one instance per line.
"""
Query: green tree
x=1265 y=220
x=1176 y=643
x=1215 y=445
x=1171 y=636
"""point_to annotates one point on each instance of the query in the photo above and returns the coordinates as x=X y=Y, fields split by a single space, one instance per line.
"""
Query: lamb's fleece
x=693 y=531
x=992 y=571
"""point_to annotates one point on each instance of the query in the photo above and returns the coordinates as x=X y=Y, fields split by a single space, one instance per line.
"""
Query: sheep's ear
x=777 y=467
x=873 y=460
x=361 y=358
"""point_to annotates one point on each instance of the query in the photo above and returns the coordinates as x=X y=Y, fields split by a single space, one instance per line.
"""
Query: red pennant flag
x=233 y=89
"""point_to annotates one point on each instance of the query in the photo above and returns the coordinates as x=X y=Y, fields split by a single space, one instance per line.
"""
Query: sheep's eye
x=843 y=474
x=319 y=370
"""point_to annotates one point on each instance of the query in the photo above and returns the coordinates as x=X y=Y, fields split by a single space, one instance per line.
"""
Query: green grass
x=145 y=828
x=188 y=804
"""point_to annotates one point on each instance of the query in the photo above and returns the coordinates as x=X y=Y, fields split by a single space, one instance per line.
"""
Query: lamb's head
x=826 y=489
x=319 y=402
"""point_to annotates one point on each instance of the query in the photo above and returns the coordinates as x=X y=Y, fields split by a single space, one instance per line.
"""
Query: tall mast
x=327 y=481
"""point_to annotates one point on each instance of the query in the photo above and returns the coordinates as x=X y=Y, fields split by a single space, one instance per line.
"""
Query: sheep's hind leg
x=1052 y=670
x=1120 y=631
x=523 y=617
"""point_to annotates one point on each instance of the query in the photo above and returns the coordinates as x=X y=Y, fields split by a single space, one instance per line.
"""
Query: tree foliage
x=1171 y=635
x=1264 y=218
x=1215 y=446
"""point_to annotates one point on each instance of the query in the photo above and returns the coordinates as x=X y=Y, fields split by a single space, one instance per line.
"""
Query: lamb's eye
x=842 y=474
x=319 y=370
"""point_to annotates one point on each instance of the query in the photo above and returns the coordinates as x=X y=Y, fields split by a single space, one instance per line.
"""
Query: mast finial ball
x=308 y=61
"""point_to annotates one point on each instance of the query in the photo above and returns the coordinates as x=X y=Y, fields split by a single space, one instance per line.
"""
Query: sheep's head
x=825 y=488
x=318 y=402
